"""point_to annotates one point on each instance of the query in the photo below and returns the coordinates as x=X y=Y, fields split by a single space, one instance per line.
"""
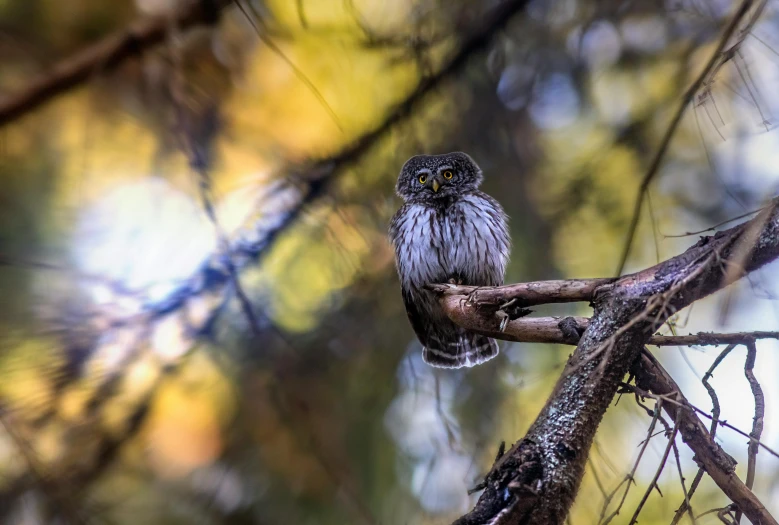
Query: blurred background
x=200 y=320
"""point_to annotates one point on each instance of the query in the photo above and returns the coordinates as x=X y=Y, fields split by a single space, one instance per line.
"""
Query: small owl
x=447 y=231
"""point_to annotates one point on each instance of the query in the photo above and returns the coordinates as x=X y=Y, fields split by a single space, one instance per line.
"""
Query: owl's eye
x=422 y=179
x=448 y=174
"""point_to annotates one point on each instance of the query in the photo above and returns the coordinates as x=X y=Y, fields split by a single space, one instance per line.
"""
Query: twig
x=195 y=143
x=712 y=228
x=295 y=69
x=715 y=412
x=737 y=430
x=681 y=481
x=630 y=478
x=687 y=405
x=709 y=339
x=715 y=61
x=708 y=454
x=757 y=423
x=568 y=330
x=653 y=483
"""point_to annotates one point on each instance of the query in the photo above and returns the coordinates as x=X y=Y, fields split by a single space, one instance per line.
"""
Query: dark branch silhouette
x=105 y=55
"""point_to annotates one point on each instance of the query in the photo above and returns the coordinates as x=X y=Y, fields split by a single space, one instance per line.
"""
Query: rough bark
x=547 y=465
x=708 y=454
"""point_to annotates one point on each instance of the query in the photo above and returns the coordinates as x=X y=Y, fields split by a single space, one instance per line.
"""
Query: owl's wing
x=446 y=345
x=394 y=225
x=414 y=304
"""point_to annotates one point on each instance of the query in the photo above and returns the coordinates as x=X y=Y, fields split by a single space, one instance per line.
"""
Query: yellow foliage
x=28 y=369
x=305 y=269
x=189 y=411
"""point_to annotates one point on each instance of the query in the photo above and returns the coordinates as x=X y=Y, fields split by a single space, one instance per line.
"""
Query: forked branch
x=547 y=465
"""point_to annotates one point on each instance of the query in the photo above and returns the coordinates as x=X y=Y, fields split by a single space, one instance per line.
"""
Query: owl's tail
x=468 y=349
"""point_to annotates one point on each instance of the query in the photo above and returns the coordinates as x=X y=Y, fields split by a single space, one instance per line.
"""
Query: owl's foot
x=509 y=311
x=458 y=282
x=473 y=296
x=470 y=299
x=503 y=315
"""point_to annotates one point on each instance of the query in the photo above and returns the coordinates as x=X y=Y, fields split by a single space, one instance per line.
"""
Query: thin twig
x=630 y=478
x=724 y=423
x=709 y=455
x=295 y=69
x=713 y=228
x=715 y=412
x=653 y=483
x=711 y=67
x=757 y=422
x=549 y=330
x=681 y=481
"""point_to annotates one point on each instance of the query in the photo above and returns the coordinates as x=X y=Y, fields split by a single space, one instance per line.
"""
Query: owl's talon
x=507 y=304
x=472 y=297
x=504 y=321
x=463 y=303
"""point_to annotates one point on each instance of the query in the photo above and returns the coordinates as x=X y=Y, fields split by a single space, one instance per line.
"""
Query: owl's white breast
x=433 y=245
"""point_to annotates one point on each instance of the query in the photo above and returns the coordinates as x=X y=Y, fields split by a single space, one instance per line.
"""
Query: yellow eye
x=422 y=179
x=447 y=174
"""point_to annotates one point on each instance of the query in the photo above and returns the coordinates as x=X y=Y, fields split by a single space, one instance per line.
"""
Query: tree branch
x=297 y=187
x=626 y=313
x=301 y=186
x=708 y=454
x=568 y=330
x=105 y=55
x=716 y=61
x=527 y=294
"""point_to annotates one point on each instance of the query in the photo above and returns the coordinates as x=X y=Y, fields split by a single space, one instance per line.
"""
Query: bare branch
x=567 y=330
x=105 y=55
x=653 y=483
x=630 y=477
x=627 y=312
x=757 y=424
x=715 y=411
x=527 y=294
x=709 y=339
x=718 y=58
x=708 y=454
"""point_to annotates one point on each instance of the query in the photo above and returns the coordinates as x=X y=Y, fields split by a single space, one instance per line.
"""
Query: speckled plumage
x=455 y=233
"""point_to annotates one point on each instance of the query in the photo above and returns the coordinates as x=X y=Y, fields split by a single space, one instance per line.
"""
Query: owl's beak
x=436 y=184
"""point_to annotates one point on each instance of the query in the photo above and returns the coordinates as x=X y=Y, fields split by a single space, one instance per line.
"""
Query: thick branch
x=626 y=314
x=104 y=56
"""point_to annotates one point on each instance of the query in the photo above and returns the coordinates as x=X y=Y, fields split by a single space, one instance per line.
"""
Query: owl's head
x=429 y=177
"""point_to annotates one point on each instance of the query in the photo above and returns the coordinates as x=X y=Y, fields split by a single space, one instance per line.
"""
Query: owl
x=447 y=231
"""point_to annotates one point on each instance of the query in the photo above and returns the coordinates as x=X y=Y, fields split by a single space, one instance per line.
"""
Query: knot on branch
x=572 y=331
x=510 y=488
